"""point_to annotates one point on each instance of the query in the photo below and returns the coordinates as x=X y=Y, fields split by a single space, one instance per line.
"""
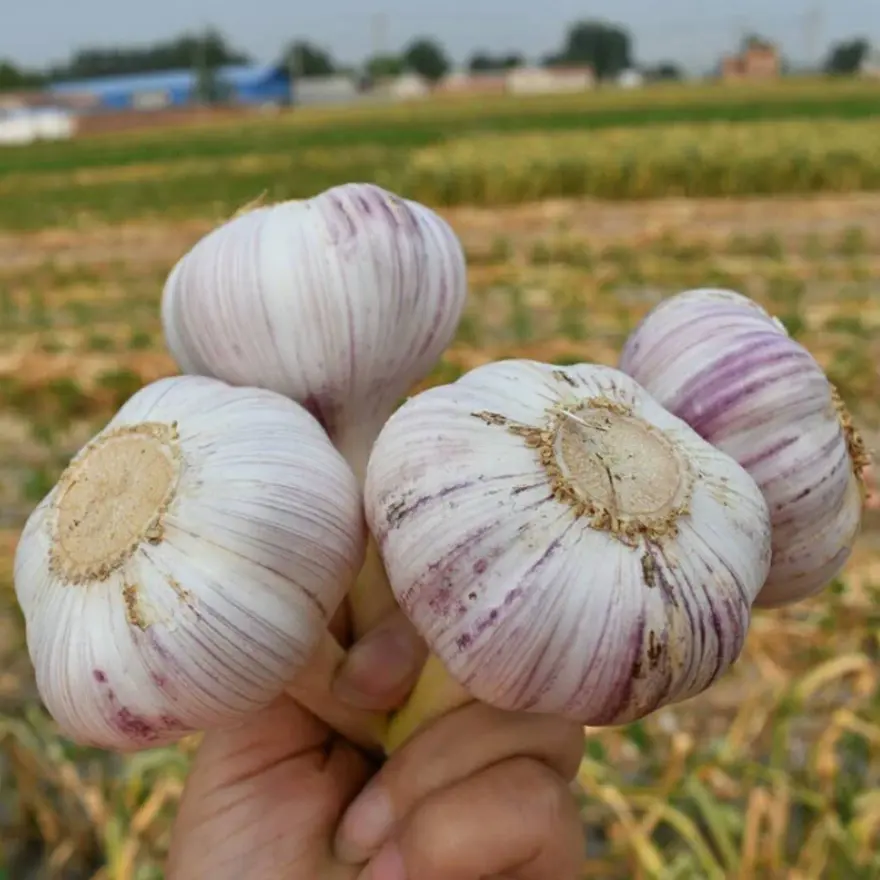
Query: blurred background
x=591 y=164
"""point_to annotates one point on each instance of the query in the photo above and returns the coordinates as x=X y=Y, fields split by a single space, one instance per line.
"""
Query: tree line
x=606 y=47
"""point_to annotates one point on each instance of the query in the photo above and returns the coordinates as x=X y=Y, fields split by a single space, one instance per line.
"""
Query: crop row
x=637 y=162
x=413 y=125
x=633 y=163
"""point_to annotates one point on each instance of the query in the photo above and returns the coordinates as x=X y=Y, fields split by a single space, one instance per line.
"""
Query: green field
x=647 y=143
x=576 y=218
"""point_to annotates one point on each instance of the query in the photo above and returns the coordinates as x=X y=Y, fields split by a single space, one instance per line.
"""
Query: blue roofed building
x=237 y=84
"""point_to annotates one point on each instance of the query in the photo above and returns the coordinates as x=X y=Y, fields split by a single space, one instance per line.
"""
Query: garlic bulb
x=342 y=302
x=183 y=570
x=720 y=362
x=563 y=543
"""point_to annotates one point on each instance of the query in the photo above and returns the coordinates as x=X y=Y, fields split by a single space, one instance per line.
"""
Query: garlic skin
x=186 y=565
x=563 y=543
x=342 y=302
x=720 y=362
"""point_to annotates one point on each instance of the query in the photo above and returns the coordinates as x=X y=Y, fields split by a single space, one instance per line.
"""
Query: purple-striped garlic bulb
x=342 y=302
x=563 y=543
x=182 y=572
x=720 y=362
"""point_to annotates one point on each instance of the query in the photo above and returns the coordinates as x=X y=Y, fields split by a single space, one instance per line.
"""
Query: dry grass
x=774 y=773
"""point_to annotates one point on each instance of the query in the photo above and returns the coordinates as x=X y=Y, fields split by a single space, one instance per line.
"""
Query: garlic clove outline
x=721 y=362
x=183 y=570
x=563 y=543
x=342 y=302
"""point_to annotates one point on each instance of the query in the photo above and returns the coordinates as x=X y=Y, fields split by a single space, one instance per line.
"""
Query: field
x=577 y=216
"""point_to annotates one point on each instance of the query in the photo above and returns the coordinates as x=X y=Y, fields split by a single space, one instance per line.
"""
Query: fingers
x=382 y=667
x=516 y=819
x=260 y=794
x=452 y=749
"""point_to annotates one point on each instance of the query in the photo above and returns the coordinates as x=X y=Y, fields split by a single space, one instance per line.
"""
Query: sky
x=692 y=32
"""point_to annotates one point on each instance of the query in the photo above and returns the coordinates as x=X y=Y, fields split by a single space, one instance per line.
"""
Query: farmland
x=577 y=216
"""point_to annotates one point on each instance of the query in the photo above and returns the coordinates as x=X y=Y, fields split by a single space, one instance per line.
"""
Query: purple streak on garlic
x=185 y=566
x=342 y=302
x=719 y=361
x=563 y=543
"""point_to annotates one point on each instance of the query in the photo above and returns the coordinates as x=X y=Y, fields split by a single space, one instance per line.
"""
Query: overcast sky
x=693 y=31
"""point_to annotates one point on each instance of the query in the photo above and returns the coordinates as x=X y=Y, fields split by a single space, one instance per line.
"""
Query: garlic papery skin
x=563 y=543
x=342 y=302
x=183 y=570
x=720 y=362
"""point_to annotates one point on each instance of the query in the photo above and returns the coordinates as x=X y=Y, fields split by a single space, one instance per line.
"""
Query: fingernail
x=365 y=825
x=376 y=666
x=388 y=865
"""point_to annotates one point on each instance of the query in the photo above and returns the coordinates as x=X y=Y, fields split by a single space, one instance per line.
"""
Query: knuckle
x=434 y=835
x=543 y=791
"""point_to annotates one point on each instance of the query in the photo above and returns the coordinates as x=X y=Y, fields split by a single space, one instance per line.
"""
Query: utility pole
x=813 y=35
x=379 y=33
x=294 y=69
x=201 y=65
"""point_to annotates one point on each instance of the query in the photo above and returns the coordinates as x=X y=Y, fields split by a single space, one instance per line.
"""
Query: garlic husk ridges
x=718 y=360
x=342 y=302
x=538 y=586
x=184 y=568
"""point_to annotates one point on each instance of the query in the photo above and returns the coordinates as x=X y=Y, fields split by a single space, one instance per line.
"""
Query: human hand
x=478 y=794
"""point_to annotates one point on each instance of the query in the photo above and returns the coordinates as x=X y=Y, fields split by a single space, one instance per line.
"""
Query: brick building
x=757 y=61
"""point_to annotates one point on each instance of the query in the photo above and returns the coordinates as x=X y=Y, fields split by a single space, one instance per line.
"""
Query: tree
x=483 y=62
x=13 y=78
x=606 y=48
x=755 y=41
x=305 y=59
x=847 y=57
x=427 y=58
x=664 y=71
x=190 y=50
x=382 y=66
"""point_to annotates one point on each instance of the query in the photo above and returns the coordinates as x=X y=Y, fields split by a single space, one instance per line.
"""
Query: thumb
x=382 y=668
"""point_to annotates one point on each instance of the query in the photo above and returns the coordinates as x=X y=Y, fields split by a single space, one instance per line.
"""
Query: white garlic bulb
x=563 y=543
x=720 y=362
x=342 y=302
x=184 y=568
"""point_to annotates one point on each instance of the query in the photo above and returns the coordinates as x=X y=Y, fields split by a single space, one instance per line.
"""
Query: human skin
x=480 y=794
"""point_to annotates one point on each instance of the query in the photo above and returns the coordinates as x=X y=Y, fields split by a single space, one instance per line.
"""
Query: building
x=482 y=83
x=334 y=89
x=549 y=80
x=630 y=79
x=406 y=87
x=757 y=61
x=28 y=124
x=870 y=66
x=235 y=84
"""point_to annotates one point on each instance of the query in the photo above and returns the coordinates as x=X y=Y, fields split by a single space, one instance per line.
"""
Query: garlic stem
x=370 y=599
x=436 y=693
